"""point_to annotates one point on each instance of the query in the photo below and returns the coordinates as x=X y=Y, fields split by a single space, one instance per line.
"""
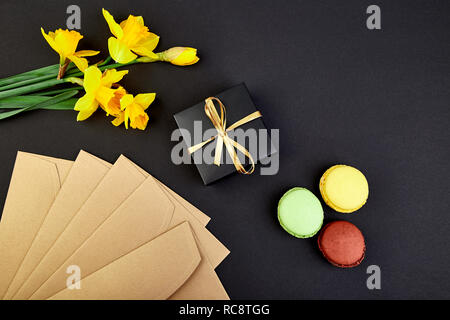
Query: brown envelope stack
x=93 y=230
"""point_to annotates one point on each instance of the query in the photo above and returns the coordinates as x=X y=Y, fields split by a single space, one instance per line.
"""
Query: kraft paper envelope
x=204 y=284
x=146 y=211
x=120 y=182
x=216 y=251
x=83 y=178
x=153 y=271
x=34 y=185
x=136 y=222
x=200 y=216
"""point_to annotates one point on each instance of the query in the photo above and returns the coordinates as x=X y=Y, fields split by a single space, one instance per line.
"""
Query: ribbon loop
x=220 y=124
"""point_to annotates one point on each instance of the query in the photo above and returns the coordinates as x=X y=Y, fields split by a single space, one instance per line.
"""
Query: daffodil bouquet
x=131 y=43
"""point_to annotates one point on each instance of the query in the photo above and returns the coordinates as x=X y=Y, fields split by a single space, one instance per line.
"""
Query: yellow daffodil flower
x=134 y=110
x=180 y=56
x=131 y=38
x=113 y=107
x=99 y=92
x=65 y=42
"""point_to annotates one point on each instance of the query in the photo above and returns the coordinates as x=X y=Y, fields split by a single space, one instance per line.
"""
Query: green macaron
x=300 y=213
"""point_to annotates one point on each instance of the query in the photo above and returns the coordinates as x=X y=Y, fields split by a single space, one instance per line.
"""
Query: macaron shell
x=300 y=213
x=342 y=244
x=344 y=188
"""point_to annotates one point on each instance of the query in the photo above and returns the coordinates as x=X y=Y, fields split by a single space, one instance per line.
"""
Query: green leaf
x=20 y=102
x=30 y=88
x=52 y=92
x=40 y=105
x=33 y=79
x=53 y=69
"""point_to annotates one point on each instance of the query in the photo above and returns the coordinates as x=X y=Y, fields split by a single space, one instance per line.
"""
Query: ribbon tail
x=218 y=152
x=196 y=147
x=230 y=144
x=250 y=117
x=246 y=153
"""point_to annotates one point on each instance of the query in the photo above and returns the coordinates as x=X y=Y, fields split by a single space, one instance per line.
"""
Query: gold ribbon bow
x=220 y=123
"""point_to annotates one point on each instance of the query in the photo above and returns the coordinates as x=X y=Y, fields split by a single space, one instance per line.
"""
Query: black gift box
x=238 y=104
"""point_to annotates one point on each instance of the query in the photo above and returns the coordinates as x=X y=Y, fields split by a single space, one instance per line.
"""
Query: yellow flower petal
x=126 y=114
x=81 y=63
x=92 y=79
x=85 y=114
x=145 y=99
x=186 y=58
x=119 y=119
x=113 y=106
x=115 y=28
x=86 y=53
x=104 y=96
x=50 y=39
x=150 y=41
x=133 y=25
x=84 y=102
x=126 y=101
x=134 y=31
x=119 y=51
x=112 y=76
x=138 y=19
x=181 y=56
x=67 y=41
x=146 y=46
x=86 y=106
x=138 y=117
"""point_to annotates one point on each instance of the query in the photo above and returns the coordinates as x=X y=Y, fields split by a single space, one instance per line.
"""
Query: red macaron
x=342 y=244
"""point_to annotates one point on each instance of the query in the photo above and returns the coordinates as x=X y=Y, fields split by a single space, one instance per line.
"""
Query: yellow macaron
x=344 y=188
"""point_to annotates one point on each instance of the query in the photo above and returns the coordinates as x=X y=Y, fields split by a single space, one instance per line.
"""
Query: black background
x=338 y=92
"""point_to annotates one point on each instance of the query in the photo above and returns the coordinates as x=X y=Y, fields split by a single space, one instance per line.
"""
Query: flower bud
x=180 y=56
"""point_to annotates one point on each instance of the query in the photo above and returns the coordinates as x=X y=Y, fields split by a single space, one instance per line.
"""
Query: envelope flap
x=32 y=179
x=203 y=218
x=153 y=271
x=63 y=166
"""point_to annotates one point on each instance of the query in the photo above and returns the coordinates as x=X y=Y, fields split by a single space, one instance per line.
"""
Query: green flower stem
x=161 y=57
x=15 y=79
x=49 y=101
x=20 y=102
x=31 y=88
x=44 y=70
x=27 y=82
x=52 y=92
x=107 y=60
x=40 y=71
x=50 y=70
x=102 y=68
x=33 y=76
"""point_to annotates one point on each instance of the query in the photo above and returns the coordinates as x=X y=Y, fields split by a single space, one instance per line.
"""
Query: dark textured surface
x=339 y=93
